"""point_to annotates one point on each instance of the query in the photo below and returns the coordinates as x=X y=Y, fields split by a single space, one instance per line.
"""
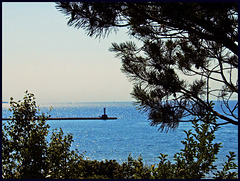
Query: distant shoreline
x=5 y=102
x=92 y=102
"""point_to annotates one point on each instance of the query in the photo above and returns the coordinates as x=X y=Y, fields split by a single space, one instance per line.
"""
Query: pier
x=75 y=118
x=103 y=117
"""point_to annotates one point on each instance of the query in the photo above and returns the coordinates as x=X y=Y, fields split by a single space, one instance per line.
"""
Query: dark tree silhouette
x=186 y=48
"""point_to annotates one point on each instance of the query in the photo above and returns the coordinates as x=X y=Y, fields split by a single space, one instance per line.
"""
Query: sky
x=55 y=62
x=58 y=63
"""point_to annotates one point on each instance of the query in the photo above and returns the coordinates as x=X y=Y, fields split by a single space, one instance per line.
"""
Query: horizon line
x=70 y=102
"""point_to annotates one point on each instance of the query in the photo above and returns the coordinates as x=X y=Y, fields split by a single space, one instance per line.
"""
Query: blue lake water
x=130 y=133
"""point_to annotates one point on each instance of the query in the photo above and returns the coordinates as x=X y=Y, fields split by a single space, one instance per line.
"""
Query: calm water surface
x=130 y=133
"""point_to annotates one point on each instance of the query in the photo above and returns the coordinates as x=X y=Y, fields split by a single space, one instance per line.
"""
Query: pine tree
x=186 y=47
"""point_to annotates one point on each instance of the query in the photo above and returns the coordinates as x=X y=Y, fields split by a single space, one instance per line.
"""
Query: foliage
x=196 y=159
x=225 y=173
x=25 y=150
x=135 y=169
x=186 y=48
x=24 y=144
x=62 y=162
x=27 y=154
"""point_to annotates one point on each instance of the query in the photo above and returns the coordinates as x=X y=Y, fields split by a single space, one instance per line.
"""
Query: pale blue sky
x=59 y=63
x=56 y=62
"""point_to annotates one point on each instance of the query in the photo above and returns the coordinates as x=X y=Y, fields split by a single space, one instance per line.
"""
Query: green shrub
x=225 y=173
x=196 y=160
x=24 y=143
x=26 y=154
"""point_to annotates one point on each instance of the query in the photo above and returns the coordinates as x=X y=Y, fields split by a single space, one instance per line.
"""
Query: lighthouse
x=104 y=116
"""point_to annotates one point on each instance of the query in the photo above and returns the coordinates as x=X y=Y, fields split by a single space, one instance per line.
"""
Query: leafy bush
x=27 y=154
x=196 y=159
x=25 y=151
x=24 y=145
